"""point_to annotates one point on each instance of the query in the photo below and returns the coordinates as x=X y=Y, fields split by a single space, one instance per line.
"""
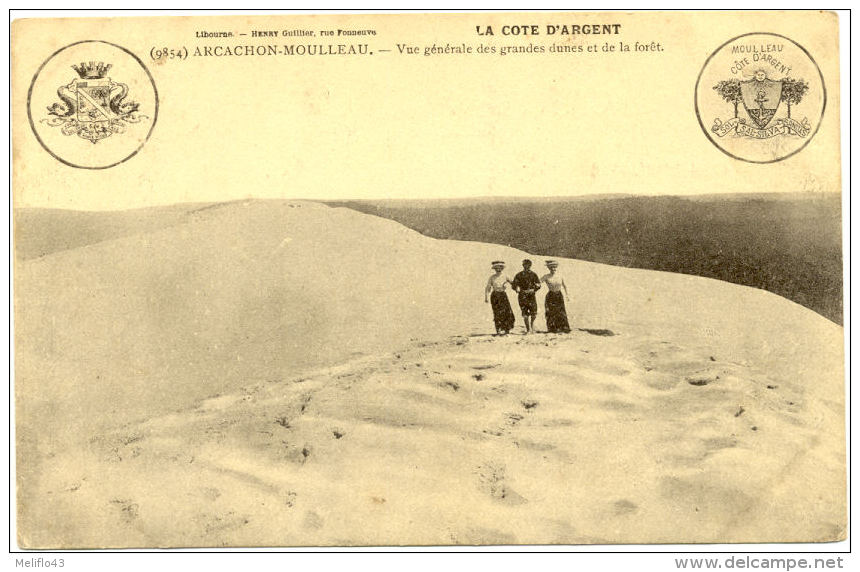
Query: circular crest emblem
x=92 y=104
x=760 y=97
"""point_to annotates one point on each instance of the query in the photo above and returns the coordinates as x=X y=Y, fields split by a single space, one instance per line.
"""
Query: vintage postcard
x=428 y=279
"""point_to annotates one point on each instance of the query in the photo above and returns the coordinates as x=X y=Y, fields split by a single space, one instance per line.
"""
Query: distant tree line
x=791 y=247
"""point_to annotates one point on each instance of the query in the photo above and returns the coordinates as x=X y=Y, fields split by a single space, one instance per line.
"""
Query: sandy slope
x=201 y=385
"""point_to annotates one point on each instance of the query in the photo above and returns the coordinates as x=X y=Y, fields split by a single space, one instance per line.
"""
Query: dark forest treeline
x=791 y=246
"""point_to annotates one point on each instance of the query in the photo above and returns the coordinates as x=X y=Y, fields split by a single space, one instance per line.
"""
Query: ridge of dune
x=180 y=387
x=42 y=232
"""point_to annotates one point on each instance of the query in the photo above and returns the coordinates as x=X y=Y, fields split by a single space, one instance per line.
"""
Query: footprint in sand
x=492 y=480
x=714 y=445
x=116 y=448
x=450 y=384
x=529 y=404
x=700 y=380
x=129 y=510
x=75 y=486
x=511 y=420
x=624 y=507
x=294 y=453
x=306 y=400
x=312 y=521
x=214 y=523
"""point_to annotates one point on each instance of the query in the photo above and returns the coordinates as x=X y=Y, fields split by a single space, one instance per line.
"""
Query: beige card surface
x=254 y=302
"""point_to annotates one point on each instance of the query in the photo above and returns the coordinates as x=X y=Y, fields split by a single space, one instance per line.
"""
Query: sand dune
x=283 y=373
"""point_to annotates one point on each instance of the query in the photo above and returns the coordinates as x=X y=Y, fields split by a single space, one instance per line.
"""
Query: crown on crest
x=92 y=70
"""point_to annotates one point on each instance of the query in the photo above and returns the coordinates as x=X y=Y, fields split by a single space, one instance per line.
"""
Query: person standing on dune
x=503 y=316
x=556 y=314
x=526 y=283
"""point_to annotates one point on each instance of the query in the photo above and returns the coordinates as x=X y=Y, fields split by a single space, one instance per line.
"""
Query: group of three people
x=526 y=284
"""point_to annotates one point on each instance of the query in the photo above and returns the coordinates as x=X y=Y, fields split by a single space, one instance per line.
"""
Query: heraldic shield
x=761 y=98
x=94 y=109
x=93 y=106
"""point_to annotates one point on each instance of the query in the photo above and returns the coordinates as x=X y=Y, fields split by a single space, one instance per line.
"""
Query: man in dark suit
x=526 y=283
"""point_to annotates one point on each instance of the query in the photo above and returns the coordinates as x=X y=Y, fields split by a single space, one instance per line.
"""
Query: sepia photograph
x=428 y=280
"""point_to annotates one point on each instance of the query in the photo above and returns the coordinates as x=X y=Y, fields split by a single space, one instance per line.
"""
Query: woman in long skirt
x=556 y=314
x=503 y=316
